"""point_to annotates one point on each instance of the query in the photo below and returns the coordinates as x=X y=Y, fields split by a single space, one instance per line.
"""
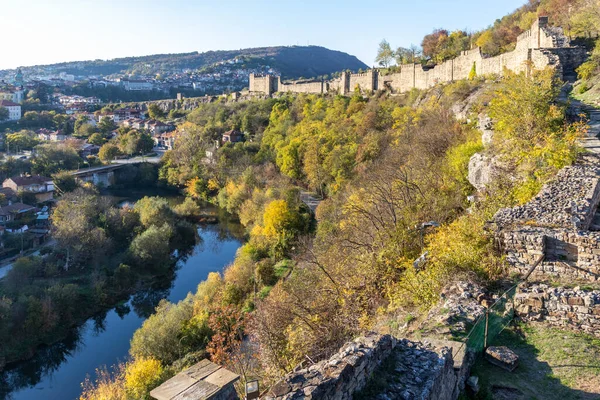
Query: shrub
x=141 y=376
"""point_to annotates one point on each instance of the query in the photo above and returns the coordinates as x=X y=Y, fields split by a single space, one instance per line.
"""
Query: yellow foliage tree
x=141 y=376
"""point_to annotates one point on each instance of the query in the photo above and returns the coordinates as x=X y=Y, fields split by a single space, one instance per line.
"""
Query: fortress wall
x=302 y=87
x=541 y=45
x=260 y=83
x=366 y=81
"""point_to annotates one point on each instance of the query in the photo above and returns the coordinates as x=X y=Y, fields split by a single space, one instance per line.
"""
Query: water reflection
x=56 y=371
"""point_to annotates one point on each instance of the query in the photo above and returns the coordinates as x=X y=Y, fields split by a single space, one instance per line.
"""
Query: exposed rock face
x=482 y=171
x=561 y=307
x=486 y=127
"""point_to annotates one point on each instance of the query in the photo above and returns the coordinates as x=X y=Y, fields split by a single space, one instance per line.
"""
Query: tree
x=108 y=152
x=409 y=55
x=64 y=182
x=159 y=336
x=22 y=140
x=106 y=125
x=141 y=376
x=85 y=130
x=473 y=72
x=3 y=113
x=154 y=211
x=97 y=139
x=155 y=112
x=53 y=157
x=385 y=54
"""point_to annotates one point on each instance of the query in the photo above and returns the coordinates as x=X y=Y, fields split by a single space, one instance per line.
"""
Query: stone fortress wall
x=537 y=48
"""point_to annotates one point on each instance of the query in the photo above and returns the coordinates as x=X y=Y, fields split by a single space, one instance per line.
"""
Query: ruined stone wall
x=541 y=46
x=420 y=371
x=561 y=307
x=560 y=222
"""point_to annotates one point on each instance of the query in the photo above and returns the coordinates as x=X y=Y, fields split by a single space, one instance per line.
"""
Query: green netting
x=497 y=317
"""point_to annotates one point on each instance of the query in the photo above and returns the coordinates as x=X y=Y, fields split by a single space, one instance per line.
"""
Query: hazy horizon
x=83 y=30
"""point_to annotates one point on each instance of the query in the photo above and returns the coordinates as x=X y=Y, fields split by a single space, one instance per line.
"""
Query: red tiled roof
x=29 y=180
x=8 y=103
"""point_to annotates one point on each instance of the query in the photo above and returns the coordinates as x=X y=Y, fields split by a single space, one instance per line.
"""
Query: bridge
x=104 y=175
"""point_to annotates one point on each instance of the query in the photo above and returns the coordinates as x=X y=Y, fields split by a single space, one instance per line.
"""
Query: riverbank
x=56 y=300
x=56 y=372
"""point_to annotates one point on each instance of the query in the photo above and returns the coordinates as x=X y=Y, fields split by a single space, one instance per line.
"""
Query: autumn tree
x=108 y=152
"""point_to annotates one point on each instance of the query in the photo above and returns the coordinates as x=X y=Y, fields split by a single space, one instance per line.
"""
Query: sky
x=51 y=31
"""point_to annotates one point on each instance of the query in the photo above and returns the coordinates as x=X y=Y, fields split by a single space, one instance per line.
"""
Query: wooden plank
x=200 y=390
x=222 y=377
x=201 y=370
x=172 y=387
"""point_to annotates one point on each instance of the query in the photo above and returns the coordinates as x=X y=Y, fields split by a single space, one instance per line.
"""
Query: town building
x=12 y=94
x=136 y=85
x=14 y=212
x=14 y=109
x=233 y=136
x=165 y=140
x=42 y=187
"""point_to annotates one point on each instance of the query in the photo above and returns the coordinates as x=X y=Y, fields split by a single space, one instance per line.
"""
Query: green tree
x=107 y=125
x=97 y=139
x=154 y=211
x=64 y=182
x=155 y=112
x=108 y=152
x=385 y=54
x=3 y=113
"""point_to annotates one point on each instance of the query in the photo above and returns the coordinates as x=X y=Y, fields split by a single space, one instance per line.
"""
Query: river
x=57 y=371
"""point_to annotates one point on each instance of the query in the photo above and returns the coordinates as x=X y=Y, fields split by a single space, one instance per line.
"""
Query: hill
x=290 y=61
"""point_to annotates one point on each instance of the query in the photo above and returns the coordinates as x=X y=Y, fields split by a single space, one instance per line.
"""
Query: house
x=14 y=109
x=52 y=136
x=14 y=212
x=42 y=187
x=88 y=149
x=165 y=140
x=14 y=95
x=158 y=127
x=233 y=136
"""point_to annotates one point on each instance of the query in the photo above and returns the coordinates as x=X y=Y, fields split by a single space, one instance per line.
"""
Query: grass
x=553 y=364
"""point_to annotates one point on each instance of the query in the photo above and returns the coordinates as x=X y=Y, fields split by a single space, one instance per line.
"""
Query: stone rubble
x=561 y=223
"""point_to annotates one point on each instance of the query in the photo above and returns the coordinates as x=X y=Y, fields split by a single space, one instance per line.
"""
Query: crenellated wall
x=537 y=48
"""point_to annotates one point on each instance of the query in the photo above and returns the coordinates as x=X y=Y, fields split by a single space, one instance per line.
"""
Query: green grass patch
x=553 y=364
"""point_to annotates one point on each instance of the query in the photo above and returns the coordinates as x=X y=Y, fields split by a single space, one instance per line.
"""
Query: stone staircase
x=591 y=142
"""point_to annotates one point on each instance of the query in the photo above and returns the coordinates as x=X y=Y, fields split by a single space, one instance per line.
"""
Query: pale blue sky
x=49 y=31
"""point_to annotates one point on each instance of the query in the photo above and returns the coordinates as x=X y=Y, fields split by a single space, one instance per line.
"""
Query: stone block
x=502 y=357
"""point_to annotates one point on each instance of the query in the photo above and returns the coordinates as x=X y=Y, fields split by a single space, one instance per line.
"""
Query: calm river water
x=57 y=371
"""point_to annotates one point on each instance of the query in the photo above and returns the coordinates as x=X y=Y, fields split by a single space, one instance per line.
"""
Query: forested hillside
x=291 y=61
